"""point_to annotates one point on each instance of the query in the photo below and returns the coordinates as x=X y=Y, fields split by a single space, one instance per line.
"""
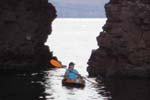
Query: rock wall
x=124 y=44
x=24 y=28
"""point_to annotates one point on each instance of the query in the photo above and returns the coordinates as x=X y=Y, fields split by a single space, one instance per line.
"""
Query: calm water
x=59 y=92
x=47 y=86
x=129 y=89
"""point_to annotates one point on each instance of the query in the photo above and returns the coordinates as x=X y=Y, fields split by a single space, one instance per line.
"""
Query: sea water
x=73 y=39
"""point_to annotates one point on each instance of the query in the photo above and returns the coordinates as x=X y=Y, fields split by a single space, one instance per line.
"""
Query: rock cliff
x=124 y=44
x=24 y=28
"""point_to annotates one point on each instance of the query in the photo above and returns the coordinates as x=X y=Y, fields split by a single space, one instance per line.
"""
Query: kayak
x=79 y=82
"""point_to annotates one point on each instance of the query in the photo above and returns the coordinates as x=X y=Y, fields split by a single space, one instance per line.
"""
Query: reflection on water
x=129 y=89
x=46 y=86
x=59 y=92
x=22 y=87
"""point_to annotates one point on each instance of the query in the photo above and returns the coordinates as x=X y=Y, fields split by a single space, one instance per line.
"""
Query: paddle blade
x=55 y=63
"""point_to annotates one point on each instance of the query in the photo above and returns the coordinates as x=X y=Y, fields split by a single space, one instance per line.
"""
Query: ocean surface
x=74 y=39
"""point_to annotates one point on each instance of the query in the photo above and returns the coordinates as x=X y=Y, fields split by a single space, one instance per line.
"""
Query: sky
x=80 y=8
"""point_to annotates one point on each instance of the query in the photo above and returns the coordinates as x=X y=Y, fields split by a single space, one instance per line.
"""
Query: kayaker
x=71 y=73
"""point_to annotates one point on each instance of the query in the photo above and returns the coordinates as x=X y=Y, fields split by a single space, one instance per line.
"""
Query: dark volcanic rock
x=124 y=44
x=24 y=28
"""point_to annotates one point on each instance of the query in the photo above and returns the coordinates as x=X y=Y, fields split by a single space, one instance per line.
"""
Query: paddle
x=55 y=63
x=90 y=81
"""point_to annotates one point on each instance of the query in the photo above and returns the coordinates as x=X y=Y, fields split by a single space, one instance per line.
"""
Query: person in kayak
x=71 y=73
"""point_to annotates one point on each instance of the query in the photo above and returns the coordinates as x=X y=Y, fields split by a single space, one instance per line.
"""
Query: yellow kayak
x=79 y=82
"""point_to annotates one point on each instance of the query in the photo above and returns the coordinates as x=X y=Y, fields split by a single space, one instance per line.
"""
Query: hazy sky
x=80 y=8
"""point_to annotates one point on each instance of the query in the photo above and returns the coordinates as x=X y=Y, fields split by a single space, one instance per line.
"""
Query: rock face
x=24 y=28
x=124 y=44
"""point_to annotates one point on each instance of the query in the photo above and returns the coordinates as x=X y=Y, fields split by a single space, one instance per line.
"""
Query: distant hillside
x=77 y=10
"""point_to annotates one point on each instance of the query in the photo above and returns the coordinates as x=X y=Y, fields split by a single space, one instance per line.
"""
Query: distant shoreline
x=81 y=18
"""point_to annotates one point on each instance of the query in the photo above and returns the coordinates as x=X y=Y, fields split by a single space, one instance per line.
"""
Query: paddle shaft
x=90 y=81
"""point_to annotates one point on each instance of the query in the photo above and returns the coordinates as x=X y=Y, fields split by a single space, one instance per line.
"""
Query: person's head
x=71 y=65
